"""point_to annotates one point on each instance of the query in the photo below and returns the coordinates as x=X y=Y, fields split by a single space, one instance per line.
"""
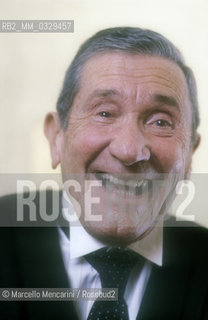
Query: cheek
x=84 y=143
x=170 y=156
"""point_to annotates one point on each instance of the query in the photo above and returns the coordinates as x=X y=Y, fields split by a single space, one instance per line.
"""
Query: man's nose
x=129 y=145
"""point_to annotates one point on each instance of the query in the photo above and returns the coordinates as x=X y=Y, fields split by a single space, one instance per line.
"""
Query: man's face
x=129 y=126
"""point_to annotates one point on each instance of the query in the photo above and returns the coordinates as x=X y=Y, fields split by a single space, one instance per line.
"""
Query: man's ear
x=54 y=134
x=197 y=143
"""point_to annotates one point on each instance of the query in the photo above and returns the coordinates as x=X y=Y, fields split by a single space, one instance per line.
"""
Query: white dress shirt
x=82 y=275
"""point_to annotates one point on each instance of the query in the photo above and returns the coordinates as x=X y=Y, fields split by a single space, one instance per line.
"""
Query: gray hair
x=132 y=41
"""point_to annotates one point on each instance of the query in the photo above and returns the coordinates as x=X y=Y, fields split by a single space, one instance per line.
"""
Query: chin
x=115 y=236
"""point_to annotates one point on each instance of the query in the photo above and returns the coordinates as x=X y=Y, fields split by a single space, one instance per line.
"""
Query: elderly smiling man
x=126 y=122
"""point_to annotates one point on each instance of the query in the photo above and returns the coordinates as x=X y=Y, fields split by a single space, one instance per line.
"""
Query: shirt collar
x=82 y=243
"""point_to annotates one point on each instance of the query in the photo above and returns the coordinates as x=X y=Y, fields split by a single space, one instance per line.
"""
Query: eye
x=160 y=120
x=105 y=114
x=162 y=123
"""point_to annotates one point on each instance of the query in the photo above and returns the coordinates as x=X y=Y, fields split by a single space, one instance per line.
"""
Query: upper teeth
x=121 y=182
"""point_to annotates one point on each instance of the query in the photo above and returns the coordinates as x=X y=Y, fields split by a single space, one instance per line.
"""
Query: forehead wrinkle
x=124 y=64
x=162 y=93
x=158 y=75
x=164 y=76
x=144 y=74
x=175 y=88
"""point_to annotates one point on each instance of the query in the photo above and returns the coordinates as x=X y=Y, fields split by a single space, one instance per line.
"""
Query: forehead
x=133 y=75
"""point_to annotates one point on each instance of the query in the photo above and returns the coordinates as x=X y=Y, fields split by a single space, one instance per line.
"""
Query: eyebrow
x=104 y=93
x=166 y=100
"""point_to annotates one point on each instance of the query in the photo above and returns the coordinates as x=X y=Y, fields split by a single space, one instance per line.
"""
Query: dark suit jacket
x=31 y=258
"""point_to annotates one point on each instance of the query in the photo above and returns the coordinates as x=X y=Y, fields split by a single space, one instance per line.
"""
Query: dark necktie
x=114 y=265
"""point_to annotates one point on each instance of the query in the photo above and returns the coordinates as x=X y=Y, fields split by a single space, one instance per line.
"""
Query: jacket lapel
x=40 y=265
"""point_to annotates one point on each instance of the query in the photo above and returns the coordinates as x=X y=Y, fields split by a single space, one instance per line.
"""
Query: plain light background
x=33 y=65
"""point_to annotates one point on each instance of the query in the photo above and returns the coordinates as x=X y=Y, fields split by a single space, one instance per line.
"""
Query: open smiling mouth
x=124 y=187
